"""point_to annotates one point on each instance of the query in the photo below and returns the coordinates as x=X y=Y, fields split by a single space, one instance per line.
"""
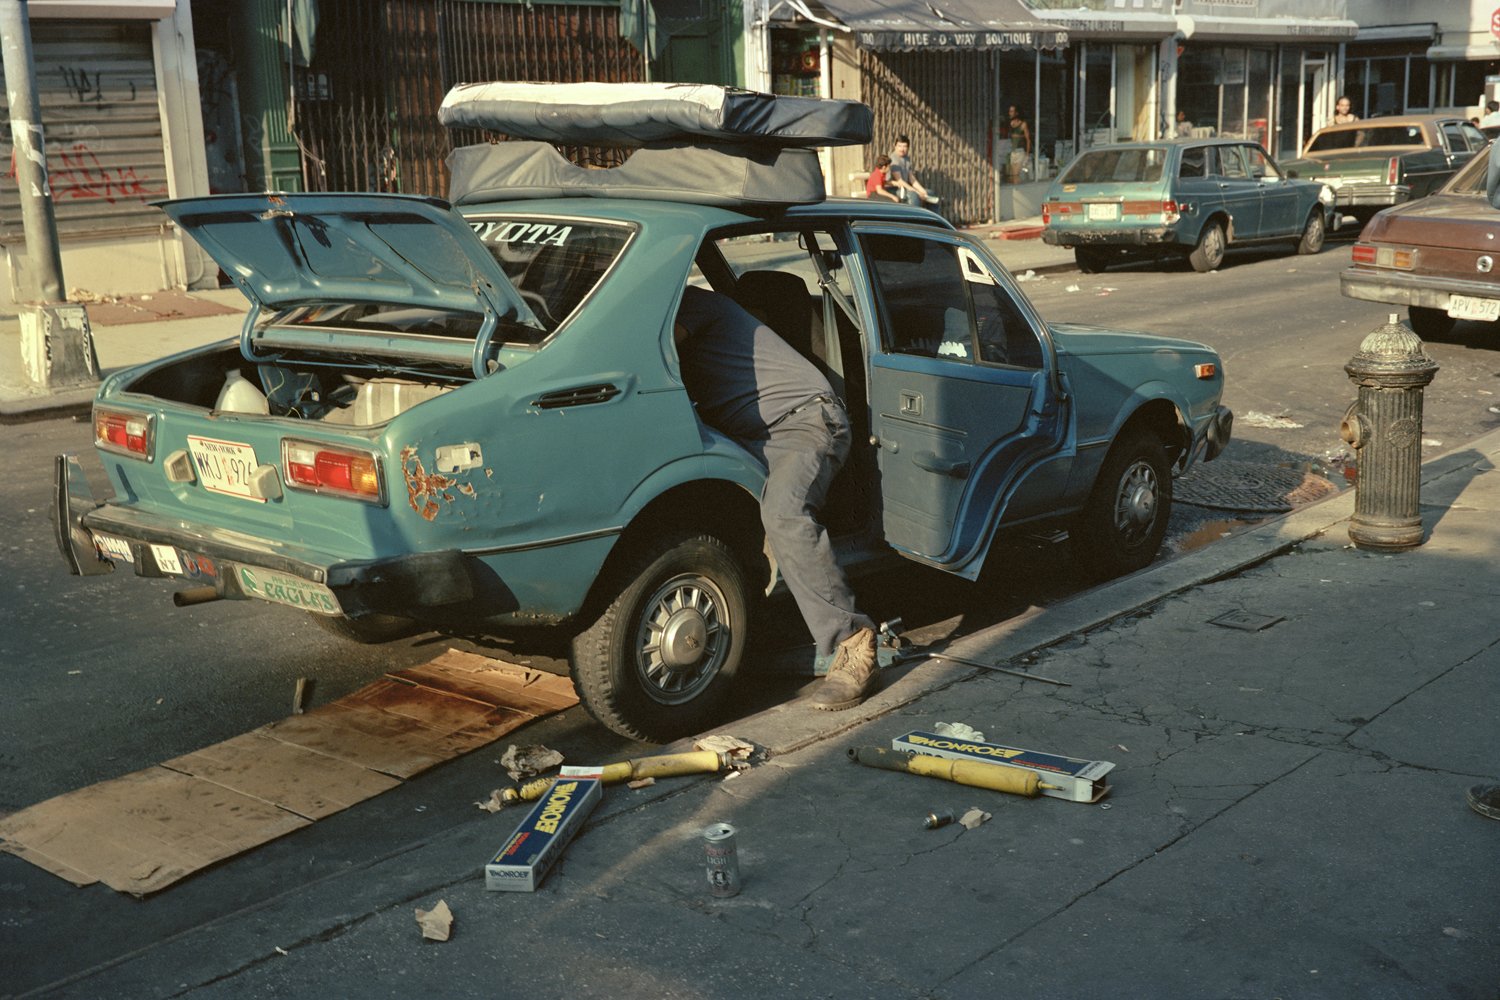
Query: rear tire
x=1431 y=324
x=660 y=661
x=1091 y=260
x=1209 y=253
x=1313 y=234
x=1123 y=524
x=370 y=630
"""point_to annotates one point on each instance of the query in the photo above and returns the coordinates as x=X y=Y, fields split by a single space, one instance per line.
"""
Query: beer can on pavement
x=723 y=860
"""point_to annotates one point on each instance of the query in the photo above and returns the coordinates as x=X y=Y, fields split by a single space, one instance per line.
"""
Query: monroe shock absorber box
x=538 y=842
x=1077 y=780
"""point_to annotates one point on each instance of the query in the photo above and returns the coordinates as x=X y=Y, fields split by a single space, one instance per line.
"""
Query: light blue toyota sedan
x=471 y=416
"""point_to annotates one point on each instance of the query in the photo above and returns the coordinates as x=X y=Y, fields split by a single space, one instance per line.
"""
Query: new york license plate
x=224 y=466
x=1471 y=307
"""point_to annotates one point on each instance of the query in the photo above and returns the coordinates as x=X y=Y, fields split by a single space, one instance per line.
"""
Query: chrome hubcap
x=682 y=640
x=1135 y=504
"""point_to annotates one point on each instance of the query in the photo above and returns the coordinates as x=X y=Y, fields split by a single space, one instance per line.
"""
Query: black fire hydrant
x=1385 y=426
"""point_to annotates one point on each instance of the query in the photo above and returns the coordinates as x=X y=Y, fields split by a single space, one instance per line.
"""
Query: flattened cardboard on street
x=144 y=831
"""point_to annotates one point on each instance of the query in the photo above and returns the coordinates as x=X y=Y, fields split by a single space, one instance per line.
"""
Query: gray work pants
x=803 y=454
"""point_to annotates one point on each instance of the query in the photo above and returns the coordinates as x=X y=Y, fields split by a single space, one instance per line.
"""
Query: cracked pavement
x=1287 y=818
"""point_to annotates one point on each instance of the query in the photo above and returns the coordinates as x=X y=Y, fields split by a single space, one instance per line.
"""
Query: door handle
x=943 y=467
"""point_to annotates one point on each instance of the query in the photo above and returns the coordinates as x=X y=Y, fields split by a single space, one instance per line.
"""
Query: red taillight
x=1362 y=253
x=123 y=433
x=1393 y=170
x=1053 y=208
x=325 y=469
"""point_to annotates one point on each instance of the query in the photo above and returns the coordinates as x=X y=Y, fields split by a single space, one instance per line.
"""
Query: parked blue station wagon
x=473 y=417
x=1190 y=198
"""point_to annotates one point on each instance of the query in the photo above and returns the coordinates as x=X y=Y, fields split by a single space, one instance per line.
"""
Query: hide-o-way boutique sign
x=953 y=25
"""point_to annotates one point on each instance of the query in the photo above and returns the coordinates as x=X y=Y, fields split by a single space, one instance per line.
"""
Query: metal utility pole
x=56 y=344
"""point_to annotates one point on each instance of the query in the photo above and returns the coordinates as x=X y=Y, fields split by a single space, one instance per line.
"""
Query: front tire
x=1313 y=234
x=1431 y=324
x=660 y=661
x=1209 y=253
x=1123 y=524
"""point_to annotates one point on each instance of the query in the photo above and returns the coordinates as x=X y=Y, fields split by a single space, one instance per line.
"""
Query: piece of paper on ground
x=141 y=832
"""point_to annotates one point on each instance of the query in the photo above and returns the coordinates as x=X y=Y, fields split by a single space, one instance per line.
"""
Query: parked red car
x=1436 y=256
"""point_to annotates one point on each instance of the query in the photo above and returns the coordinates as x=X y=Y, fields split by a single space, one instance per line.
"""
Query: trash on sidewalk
x=494 y=803
x=538 y=842
x=436 y=923
x=958 y=730
x=301 y=693
x=739 y=752
x=973 y=818
x=974 y=773
x=1029 y=275
x=668 y=765
x=938 y=819
x=1274 y=421
x=528 y=761
x=1070 y=778
x=640 y=783
x=722 y=857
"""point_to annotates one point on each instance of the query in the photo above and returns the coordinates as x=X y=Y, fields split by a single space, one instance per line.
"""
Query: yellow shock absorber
x=976 y=773
x=668 y=765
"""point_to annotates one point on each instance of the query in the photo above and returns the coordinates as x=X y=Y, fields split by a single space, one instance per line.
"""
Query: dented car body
x=473 y=418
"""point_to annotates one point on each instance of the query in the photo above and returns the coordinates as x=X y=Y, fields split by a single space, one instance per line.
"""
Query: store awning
x=1262 y=29
x=914 y=25
x=1465 y=53
x=1424 y=32
x=1090 y=24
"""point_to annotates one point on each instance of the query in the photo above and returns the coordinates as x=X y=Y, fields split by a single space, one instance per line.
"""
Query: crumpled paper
x=738 y=750
x=529 y=761
x=494 y=803
x=436 y=923
x=974 y=817
x=958 y=730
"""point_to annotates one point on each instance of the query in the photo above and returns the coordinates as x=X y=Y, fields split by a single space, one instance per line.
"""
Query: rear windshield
x=1112 y=166
x=1471 y=178
x=1374 y=135
x=554 y=264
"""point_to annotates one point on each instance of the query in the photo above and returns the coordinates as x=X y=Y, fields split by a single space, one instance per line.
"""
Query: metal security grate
x=366 y=110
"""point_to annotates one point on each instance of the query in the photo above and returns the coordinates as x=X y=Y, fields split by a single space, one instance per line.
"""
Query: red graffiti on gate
x=83 y=176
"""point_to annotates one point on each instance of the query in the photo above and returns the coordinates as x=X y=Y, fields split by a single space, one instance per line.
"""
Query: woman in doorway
x=1019 y=133
x=1343 y=111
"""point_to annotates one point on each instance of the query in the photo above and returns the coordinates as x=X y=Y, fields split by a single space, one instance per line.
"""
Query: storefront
x=943 y=77
x=1271 y=79
x=1387 y=72
x=120 y=113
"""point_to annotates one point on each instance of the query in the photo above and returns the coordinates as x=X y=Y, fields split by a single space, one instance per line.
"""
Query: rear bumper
x=1370 y=195
x=205 y=556
x=1143 y=236
x=1400 y=288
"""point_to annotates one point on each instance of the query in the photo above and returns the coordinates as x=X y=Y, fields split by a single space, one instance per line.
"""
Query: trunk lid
x=1450 y=221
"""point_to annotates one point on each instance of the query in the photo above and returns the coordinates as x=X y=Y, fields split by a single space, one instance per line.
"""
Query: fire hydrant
x=1384 y=425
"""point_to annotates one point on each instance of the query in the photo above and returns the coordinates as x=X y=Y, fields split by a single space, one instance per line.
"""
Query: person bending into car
x=753 y=386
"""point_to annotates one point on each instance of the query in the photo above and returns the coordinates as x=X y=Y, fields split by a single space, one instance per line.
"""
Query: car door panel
x=961 y=397
x=1241 y=193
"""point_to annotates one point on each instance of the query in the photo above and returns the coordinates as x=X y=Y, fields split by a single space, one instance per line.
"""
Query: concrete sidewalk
x=1287 y=816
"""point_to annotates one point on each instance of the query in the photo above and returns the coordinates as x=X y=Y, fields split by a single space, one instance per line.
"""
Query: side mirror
x=1291 y=173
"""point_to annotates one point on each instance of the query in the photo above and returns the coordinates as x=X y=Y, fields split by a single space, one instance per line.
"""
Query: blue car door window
x=924 y=298
x=1194 y=162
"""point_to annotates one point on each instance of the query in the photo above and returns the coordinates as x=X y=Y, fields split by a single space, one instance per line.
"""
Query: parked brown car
x=1379 y=162
x=1436 y=256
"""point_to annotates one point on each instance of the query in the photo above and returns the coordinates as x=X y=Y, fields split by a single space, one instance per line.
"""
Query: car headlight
x=1325 y=195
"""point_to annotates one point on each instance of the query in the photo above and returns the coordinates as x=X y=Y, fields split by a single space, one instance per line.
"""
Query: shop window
x=796 y=66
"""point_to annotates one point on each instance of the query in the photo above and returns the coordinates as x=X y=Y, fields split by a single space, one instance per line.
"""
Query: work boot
x=851 y=675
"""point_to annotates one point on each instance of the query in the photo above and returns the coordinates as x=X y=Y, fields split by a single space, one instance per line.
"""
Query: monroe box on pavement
x=538 y=842
x=1080 y=780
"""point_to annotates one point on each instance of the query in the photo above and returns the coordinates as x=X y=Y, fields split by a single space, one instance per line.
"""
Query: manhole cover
x=1249 y=486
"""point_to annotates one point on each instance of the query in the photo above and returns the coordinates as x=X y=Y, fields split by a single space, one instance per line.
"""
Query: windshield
x=554 y=263
x=1107 y=166
x=1373 y=135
